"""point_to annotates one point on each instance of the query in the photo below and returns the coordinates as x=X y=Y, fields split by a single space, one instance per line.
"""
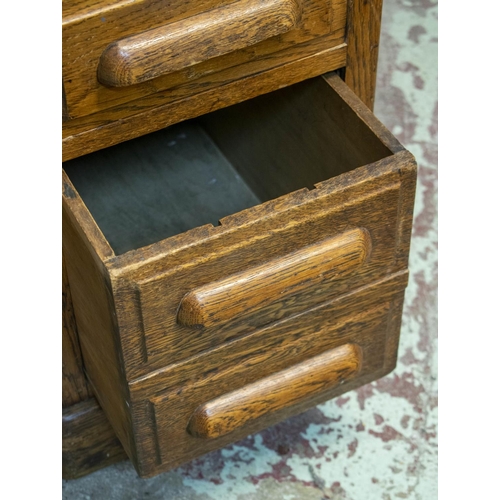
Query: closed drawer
x=118 y=52
x=314 y=198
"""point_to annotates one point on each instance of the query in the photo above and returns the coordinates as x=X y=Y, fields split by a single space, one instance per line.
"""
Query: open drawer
x=295 y=296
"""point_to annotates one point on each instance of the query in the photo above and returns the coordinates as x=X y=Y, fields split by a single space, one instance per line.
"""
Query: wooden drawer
x=314 y=198
x=118 y=52
x=219 y=397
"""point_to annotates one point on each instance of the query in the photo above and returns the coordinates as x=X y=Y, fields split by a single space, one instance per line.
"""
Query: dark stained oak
x=88 y=31
x=312 y=165
x=88 y=440
x=97 y=117
x=74 y=384
x=85 y=250
x=165 y=401
x=156 y=111
x=153 y=280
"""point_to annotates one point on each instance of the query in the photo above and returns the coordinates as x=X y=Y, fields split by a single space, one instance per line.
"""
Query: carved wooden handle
x=240 y=293
x=195 y=39
x=280 y=390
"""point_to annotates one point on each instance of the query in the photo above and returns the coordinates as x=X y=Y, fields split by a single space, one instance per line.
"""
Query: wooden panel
x=150 y=374
x=231 y=355
x=285 y=388
x=85 y=250
x=408 y=177
x=183 y=181
x=363 y=318
x=363 y=32
x=151 y=282
x=205 y=94
x=88 y=440
x=87 y=33
x=74 y=384
x=299 y=136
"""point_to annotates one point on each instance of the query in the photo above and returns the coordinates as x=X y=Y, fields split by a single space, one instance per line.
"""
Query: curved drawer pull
x=280 y=390
x=190 y=41
x=245 y=292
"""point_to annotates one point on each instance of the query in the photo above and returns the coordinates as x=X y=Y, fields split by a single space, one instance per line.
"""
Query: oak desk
x=188 y=332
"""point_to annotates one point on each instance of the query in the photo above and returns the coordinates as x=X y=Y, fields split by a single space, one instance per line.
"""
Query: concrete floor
x=379 y=442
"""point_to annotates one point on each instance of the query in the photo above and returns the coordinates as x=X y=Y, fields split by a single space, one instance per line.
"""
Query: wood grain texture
x=278 y=132
x=362 y=318
x=65 y=114
x=408 y=177
x=359 y=113
x=86 y=34
x=148 y=295
x=335 y=314
x=279 y=390
x=148 y=393
x=85 y=250
x=88 y=440
x=78 y=9
x=203 y=95
x=190 y=41
x=363 y=33
x=151 y=289
x=149 y=283
x=74 y=383
x=243 y=292
x=149 y=373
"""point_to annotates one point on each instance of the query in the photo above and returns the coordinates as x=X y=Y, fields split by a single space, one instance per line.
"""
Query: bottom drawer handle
x=280 y=390
x=247 y=291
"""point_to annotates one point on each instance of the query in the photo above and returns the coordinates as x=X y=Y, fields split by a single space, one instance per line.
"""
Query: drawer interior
x=199 y=171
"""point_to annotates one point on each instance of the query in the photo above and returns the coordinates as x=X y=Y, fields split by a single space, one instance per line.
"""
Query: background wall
x=378 y=442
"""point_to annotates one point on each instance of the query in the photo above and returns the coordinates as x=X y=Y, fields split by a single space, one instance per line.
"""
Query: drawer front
x=117 y=53
x=220 y=397
x=284 y=264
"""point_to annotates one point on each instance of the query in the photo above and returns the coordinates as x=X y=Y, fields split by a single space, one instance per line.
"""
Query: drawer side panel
x=94 y=312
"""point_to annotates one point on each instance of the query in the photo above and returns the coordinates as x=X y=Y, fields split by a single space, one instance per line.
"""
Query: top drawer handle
x=248 y=290
x=180 y=44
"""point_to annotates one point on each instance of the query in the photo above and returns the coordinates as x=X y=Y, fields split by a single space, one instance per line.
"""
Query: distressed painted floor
x=378 y=442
